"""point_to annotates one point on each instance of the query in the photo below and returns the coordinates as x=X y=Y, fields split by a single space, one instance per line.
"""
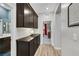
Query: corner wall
x=56 y=27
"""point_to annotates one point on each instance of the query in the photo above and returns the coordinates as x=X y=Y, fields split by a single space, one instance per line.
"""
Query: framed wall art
x=73 y=15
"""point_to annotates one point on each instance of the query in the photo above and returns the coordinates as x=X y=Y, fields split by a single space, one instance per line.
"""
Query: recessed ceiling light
x=47 y=8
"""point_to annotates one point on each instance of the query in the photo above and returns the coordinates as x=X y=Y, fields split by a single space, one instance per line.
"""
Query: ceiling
x=43 y=7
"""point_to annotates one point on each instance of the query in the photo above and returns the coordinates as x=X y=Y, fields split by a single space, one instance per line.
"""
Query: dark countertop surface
x=5 y=35
x=28 y=38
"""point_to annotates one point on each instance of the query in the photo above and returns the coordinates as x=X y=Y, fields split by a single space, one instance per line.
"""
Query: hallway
x=47 y=50
x=46 y=40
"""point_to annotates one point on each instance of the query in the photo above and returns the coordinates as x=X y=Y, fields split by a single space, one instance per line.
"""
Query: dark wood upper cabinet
x=20 y=14
x=35 y=21
x=26 y=16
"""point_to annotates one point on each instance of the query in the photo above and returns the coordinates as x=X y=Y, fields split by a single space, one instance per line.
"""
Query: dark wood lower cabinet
x=26 y=47
x=22 y=48
x=32 y=50
x=5 y=44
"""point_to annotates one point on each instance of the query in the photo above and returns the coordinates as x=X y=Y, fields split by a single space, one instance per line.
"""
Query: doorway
x=46 y=32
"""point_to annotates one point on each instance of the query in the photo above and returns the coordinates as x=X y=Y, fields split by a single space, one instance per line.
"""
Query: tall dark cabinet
x=5 y=44
x=26 y=16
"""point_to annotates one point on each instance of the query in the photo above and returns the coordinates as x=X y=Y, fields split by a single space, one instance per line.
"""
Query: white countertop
x=5 y=35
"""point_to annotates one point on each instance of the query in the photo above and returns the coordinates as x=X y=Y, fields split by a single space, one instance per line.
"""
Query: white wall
x=56 y=28
x=53 y=30
x=57 y=35
x=70 y=36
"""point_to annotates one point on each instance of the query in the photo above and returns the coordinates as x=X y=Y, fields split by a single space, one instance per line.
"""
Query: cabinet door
x=2 y=46
x=35 y=21
x=38 y=41
x=22 y=48
x=28 y=17
x=20 y=14
x=35 y=44
x=7 y=43
x=31 y=24
x=32 y=48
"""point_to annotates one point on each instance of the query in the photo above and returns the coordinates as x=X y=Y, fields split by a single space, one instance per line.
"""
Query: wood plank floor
x=47 y=50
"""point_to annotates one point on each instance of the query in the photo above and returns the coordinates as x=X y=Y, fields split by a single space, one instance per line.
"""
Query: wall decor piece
x=47 y=29
x=73 y=15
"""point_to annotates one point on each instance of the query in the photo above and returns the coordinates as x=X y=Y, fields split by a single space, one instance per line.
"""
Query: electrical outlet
x=75 y=37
